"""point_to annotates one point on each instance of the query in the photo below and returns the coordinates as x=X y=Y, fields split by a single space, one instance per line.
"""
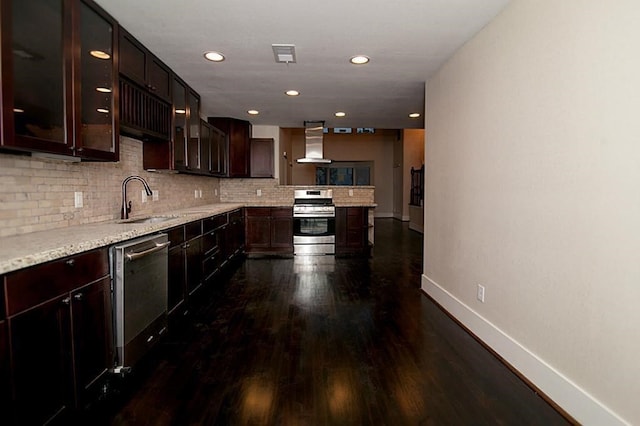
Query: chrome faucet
x=126 y=207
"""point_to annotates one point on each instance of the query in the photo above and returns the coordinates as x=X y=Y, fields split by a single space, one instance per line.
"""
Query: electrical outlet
x=144 y=196
x=351 y=193
x=156 y=195
x=259 y=192
x=77 y=200
x=480 y=293
x=195 y=193
x=215 y=192
x=199 y=193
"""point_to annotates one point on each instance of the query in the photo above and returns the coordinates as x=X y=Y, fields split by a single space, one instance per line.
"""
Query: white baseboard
x=416 y=227
x=574 y=400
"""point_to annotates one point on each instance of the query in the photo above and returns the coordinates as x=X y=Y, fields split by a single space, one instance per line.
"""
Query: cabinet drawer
x=282 y=212
x=176 y=236
x=215 y=222
x=258 y=211
x=31 y=286
x=193 y=229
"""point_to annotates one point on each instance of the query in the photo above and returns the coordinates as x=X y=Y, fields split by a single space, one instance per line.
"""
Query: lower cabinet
x=60 y=336
x=269 y=230
x=352 y=228
x=5 y=389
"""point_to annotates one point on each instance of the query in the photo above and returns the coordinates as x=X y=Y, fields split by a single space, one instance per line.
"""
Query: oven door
x=314 y=226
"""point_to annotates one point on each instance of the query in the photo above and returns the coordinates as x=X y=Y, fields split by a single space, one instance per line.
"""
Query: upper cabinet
x=145 y=91
x=142 y=67
x=59 y=78
x=238 y=134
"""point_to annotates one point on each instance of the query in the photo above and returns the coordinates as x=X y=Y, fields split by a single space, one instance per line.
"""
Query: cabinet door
x=5 y=389
x=194 y=264
x=179 y=125
x=97 y=115
x=40 y=343
x=158 y=78
x=92 y=341
x=176 y=283
x=239 y=135
x=258 y=229
x=132 y=59
x=205 y=147
x=36 y=92
x=261 y=157
x=282 y=229
x=356 y=230
x=193 y=132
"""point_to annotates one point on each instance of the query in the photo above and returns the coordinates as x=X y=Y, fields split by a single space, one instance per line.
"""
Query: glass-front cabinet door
x=98 y=82
x=179 y=90
x=47 y=78
x=33 y=79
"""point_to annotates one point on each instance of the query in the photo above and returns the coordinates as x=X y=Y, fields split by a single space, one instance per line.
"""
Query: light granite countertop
x=21 y=251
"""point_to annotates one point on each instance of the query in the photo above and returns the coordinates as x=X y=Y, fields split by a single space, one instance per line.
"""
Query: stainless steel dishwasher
x=139 y=292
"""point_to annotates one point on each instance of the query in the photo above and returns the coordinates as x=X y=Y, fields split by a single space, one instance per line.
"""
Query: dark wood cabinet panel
x=282 y=233
x=59 y=325
x=261 y=152
x=238 y=134
x=92 y=342
x=269 y=230
x=24 y=288
x=258 y=233
x=177 y=289
x=143 y=68
x=5 y=384
x=352 y=230
x=41 y=360
x=193 y=255
x=51 y=68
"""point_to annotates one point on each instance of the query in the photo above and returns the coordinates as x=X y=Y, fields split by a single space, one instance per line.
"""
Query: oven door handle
x=137 y=255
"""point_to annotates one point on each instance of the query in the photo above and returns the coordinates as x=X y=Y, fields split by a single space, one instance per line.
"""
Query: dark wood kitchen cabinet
x=180 y=150
x=269 y=230
x=59 y=78
x=352 y=227
x=145 y=92
x=5 y=388
x=59 y=325
x=142 y=67
x=261 y=157
x=177 y=279
x=238 y=135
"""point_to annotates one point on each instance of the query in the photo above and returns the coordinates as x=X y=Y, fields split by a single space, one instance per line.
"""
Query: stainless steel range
x=314 y=222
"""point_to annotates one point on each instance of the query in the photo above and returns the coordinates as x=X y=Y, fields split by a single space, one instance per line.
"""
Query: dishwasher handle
x=137 y=255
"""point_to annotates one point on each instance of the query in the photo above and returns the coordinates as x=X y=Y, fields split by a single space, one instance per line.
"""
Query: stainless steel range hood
x=313 y=143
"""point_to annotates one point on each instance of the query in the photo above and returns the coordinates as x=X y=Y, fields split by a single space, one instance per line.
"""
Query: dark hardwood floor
x=324 y=341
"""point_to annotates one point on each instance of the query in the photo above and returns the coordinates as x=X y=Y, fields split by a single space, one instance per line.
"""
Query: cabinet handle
x=78 y=296
x=66 y=301
x=186 y=246
x=71 y=262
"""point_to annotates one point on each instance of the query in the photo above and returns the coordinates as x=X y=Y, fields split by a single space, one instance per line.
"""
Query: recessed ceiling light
x=103 y=110
x=103 y=89
x=99 y=54
x=292 y=93
x=340 y=114
x=359 y=59
x=181 y=111
x=253 y=112
x=414 y=115
x=214 y=56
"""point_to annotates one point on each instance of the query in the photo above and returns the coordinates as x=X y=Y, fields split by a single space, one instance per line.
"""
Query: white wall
x=533 y=190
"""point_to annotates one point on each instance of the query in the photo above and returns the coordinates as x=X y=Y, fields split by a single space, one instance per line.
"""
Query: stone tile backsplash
x=37 y=194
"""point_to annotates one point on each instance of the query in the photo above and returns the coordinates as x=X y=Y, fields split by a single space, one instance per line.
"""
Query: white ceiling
x=407 y=40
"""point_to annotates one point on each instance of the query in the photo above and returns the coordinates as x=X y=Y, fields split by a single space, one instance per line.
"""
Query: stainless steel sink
x=150 y=219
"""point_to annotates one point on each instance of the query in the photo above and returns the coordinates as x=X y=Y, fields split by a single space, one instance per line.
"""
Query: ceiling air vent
x=284 y=53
